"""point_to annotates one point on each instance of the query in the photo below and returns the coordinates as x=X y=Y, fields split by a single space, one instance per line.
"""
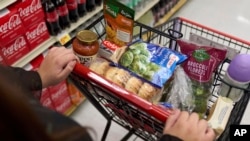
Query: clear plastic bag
x=181 y=94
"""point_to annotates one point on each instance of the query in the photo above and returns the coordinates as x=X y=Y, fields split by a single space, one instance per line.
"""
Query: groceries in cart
x=125 y=79
x=200 y=65
x=219 y=114
x=151 y=62
x=119 y=21
x=180 y=94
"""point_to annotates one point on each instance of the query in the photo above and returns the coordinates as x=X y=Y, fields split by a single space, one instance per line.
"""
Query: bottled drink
x=90 y=5
x=81 y=7
x=52 y=19
x=63 y=13
x=98 y=2
x=73 y=10
x=237 y=76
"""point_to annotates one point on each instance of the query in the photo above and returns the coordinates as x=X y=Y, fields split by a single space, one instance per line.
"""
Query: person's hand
x=56 y=66
x=188 y=127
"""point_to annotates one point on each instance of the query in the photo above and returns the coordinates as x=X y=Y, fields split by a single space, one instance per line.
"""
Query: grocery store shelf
x=5 y=3
x=148 y=6
x=35 y=52
x=171 y=12
x=52 y=40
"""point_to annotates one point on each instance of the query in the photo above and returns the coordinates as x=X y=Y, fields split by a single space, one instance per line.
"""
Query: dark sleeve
x=167 y=137
x=30 y=79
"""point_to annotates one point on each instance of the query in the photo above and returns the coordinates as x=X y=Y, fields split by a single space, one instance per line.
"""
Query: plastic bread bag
x=151 y=62
x=181 y=94
x=200 y=66
x=126 y=79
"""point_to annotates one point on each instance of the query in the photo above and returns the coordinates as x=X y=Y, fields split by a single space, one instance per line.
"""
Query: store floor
x=229 y=16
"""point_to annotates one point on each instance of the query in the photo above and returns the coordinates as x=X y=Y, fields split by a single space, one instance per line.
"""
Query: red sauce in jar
x=86 y=45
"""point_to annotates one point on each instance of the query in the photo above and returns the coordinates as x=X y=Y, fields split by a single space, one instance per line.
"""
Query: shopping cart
x=138 y=116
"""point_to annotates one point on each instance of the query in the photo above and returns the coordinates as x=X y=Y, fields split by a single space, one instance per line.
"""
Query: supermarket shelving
x=52 y=40
x=171 y=12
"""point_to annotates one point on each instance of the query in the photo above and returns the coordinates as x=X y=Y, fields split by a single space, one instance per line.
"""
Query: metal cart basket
x=138 y=116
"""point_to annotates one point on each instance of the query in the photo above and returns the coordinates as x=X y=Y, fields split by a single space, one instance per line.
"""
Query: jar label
x=85 y=59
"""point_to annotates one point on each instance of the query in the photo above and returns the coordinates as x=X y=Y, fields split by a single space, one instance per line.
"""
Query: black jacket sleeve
x=167 y=137
x=30 y=79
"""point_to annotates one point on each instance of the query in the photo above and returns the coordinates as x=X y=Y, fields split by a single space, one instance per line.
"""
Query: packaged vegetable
x=152 y=62
x=119 y=22
x=200 y=65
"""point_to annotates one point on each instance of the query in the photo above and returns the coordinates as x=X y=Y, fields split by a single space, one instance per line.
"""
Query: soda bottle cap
x=239 y=68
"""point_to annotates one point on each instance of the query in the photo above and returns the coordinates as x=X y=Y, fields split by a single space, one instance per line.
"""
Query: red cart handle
x=152 y=109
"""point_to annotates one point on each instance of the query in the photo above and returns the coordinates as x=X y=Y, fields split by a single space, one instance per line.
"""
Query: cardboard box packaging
x=15 y=50
x=30 y=11
x=11 y=25
x=37 y=34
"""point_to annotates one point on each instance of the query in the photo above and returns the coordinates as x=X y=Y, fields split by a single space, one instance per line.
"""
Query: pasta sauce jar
x=86 y=46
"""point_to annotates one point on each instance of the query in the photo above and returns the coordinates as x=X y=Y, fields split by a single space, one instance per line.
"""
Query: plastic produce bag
x=200 y=66
x=181 y=94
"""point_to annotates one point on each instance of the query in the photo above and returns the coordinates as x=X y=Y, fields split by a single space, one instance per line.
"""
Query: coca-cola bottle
x=98 y=2
x=52 y=19
x=63 y=13
x=73 y=10
x=81 y=7
x=90 y=5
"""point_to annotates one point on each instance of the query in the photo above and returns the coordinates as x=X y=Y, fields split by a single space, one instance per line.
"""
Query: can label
x=85 y=59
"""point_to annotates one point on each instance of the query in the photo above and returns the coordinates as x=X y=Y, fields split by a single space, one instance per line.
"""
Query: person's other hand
x=188 y=127
x=56 y=66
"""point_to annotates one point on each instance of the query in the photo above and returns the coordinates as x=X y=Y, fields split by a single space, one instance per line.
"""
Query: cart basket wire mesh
x=139 y=116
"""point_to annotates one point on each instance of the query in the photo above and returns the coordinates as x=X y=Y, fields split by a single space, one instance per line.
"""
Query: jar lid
x=239 y=68
x=86 y=36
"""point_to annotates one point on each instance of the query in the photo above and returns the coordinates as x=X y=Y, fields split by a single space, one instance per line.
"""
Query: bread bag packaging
x=125 y=79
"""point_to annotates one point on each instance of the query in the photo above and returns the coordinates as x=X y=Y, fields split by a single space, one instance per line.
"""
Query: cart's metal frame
x=136 y=115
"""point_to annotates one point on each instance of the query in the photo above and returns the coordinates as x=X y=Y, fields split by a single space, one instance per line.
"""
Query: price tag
x=63 y=38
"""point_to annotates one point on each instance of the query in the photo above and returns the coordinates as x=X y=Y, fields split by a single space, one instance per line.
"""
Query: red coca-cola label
x=15 y=50
x=71 y=4
x=1 y=59
x=30 y=11
x=62 y=10
x=52 y=16
x=36 y=34
x=10 y=26
x=81 y=1
x=13 y=22
x=109 y=45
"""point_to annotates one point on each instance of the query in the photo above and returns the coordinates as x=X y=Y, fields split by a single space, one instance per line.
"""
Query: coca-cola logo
x=110 y=45
x=16 y=46
x=64 y=105
x=41 y=28
x=33 y=7
x=59 y=93
x=13 y=22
